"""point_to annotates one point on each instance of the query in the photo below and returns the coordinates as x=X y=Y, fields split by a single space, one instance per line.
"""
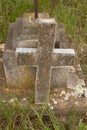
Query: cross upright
x=44 y=58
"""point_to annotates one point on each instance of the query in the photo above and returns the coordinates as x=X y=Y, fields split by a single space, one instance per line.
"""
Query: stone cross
x=44 y=58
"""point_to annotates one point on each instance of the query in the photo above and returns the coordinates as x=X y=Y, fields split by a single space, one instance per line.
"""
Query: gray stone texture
x=31 y=57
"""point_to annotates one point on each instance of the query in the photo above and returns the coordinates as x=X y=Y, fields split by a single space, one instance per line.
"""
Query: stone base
x=45 y=35
x=24 y=76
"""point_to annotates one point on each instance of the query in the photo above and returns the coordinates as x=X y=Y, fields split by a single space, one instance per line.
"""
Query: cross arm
x=27 y=56
x=63 y=57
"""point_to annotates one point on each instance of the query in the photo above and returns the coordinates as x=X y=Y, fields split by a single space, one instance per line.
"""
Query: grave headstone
x=37 y=54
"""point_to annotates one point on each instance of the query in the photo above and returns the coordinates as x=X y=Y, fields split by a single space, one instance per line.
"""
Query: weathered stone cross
x=45 y=57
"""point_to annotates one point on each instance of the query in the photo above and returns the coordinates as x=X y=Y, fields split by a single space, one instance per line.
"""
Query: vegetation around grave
x=73 y=14
x=14 y=116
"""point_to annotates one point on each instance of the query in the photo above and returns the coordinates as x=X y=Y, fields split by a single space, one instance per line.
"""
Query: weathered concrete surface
x=61 y=39
x=30 y=56
x=23 y=33
x=15 y=78
x=66 y=76
x=46 y=30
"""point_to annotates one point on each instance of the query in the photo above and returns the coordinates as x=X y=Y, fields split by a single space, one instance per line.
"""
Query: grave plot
x=38 y=58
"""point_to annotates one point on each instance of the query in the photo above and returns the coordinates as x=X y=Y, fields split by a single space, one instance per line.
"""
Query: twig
x=36 y=8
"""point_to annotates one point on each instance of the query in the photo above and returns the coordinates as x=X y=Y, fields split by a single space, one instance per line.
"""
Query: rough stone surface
x=46 y=43
x=39 y=49
x=43 y=57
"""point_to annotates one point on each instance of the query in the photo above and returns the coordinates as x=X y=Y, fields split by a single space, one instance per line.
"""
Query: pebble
x=51 y=107
x=12 y=100
x=63 y=92
x=49 y=104
x=72 y=70
x=66 y=98
x=24 y=99
x=61 y=95
x=54 y=94
x=72 y=94
x=79 y=89
x=55 y=102
x=53 y=99
x=79 y=67
x=68 y=95
x=4 y=101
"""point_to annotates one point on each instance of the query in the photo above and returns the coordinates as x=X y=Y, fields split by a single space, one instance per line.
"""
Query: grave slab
x=36 y=50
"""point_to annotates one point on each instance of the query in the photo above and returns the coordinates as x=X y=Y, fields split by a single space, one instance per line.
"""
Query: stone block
x=65 y=76
x=32 y=57
x=17 y=76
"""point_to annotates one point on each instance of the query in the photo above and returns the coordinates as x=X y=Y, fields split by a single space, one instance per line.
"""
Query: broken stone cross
x=44 y=58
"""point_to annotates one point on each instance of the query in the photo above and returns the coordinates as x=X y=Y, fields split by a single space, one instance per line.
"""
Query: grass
x=73 y=14
x=16 y=117
x=13 y=116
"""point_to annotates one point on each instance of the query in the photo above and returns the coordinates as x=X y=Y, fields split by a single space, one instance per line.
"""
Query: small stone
x=4 y=101
x=53 y=99
x=49 y=104
x=72 y=94
x=54 y=94
x=68 y=95
x=7 y=89
x=55 y=102
x=24 y=99
x=66 y=98
x=60 y=94
x=72 y=70
x=79 y=89
x=51 y=107
x=12 y=100
x=79 y=67
x=63 y=92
